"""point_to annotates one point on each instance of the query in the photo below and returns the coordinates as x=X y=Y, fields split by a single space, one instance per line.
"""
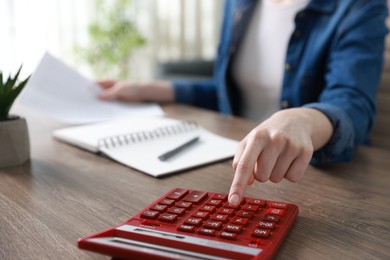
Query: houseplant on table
x=14 y=138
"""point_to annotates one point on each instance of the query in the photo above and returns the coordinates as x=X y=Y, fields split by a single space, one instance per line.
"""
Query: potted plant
x=113 y=38
x=14 y=139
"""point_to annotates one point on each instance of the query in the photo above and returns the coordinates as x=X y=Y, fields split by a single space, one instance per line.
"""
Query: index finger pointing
x=244 y=169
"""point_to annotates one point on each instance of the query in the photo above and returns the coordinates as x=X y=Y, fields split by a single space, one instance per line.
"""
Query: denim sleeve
x=353 y=73
x=197 y=93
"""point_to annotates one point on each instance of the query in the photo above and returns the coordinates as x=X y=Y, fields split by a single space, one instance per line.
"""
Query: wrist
x=157 y=91
x=311 y=121
x=319 y=125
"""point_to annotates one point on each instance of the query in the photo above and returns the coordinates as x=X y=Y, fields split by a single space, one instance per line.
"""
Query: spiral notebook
x=138 y=143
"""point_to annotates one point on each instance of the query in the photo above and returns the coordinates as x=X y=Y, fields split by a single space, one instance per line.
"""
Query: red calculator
x=194 y=224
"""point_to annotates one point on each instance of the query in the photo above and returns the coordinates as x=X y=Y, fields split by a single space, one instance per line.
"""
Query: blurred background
x=128 y=39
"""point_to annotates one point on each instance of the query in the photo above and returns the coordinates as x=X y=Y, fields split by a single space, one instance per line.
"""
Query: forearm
x=157 y=91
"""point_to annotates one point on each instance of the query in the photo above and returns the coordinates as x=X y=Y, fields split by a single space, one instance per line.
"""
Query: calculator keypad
x=210 y=214
x=194 y=224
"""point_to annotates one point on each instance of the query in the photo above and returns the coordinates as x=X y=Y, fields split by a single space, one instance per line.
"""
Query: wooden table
x=65 y=193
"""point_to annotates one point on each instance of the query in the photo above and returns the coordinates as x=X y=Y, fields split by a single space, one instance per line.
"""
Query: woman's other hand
x=154 y=91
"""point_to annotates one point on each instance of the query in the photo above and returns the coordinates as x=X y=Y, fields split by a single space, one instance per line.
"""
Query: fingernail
x=234 y=199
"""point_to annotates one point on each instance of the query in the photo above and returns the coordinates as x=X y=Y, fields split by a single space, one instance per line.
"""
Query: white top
x=258 y=66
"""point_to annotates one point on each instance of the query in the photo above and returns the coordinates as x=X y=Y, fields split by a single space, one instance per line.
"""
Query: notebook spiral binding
x=144 y=136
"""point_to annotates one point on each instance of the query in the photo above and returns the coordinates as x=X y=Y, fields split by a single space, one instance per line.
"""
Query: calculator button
x=183 y=204
x=220 y=196
x=206 y=231
x=175 y=210
x=226 y=211
x=167 y=202
x=193 y=221
x=228 y=235
x=233 y=228
x=201 y=214
x=239 y=220
x=214 y=202
x=252 y=208
x=262 y=233
x=278 y=212
x=271 y=218
x=150 y=214
x=245 y=214
x=278 y=205
x=177 y=194
x=159 y=207
x=266 y=225
x=230 y=206
x=186 y=228
x=166 y=217
x=260 y=203
x=207 y=208
x=212 y=224
x=220 y=217
x=195 y=196
x=151 y=222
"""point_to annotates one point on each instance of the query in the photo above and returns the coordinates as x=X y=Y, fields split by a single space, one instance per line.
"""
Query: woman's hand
x=280 y=147
x=156 y=91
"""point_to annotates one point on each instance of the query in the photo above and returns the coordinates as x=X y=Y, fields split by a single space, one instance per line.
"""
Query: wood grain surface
x=64 y=193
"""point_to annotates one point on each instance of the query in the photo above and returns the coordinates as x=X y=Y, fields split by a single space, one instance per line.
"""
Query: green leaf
x=1 y=83
x=9 y=85
x=9 y=91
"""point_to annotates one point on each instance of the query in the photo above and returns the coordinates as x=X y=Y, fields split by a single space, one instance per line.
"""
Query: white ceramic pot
x=14 y=142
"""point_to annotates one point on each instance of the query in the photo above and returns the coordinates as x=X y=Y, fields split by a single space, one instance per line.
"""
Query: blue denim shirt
x=333 y=63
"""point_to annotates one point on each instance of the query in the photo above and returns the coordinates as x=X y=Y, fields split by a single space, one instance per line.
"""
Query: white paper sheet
x=62 y=93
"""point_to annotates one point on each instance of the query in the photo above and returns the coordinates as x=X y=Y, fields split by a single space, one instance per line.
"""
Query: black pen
x=169 y=154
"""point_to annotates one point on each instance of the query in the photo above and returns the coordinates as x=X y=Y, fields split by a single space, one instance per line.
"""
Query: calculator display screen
x=192 y=240
x=153 y=249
